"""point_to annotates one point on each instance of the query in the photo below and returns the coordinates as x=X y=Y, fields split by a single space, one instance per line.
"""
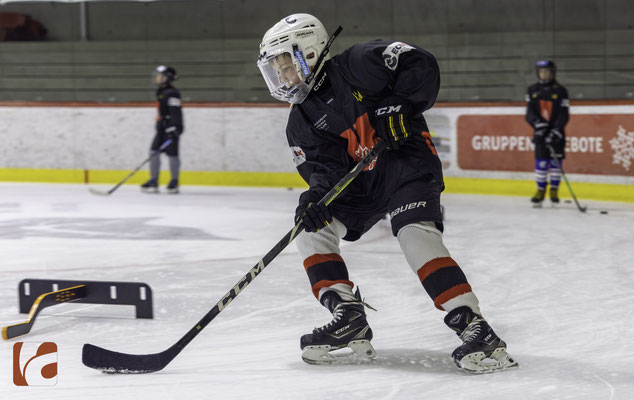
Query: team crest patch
x=299 y=157
x=392 y=52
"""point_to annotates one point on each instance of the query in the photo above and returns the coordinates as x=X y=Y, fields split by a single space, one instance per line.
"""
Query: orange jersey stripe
x=546 y=109
x=434 y=265
x=321 y=258
x=450 y=294
x=356 y=149
x=322 y=284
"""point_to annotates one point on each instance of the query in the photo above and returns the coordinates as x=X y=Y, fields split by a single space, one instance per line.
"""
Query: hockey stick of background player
x=556 y=159
x=153 y=154
x=112 y=362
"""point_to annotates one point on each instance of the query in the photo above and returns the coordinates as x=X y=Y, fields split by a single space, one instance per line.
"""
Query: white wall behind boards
x=248 y=139
x=116 y=138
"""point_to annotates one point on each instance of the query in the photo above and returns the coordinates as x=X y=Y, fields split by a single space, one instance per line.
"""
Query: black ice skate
x=554 y=196
x=538 y=198
x=482 y=351
x=150 y=186
x=348 y=328
x=172 y=187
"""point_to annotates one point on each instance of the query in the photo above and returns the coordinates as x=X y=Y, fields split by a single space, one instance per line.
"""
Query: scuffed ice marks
x=100 y=228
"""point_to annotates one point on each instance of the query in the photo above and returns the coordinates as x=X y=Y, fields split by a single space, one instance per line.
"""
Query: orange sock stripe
x=451 y=293
x=322 y=284
x=434 y=265
x=321 y=258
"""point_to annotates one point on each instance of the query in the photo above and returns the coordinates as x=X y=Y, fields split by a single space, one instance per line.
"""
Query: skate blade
x=172 y=191
x=538 y=205
x=149 y=190
x=479 y=363
x=362 y=352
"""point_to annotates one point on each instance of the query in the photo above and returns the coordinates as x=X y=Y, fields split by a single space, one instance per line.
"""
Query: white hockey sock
x=326 y=241
x=343 y=290
x=422 y=245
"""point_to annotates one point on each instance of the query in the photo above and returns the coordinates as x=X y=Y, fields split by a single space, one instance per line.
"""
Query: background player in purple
x=547 y=112
x=341 y=107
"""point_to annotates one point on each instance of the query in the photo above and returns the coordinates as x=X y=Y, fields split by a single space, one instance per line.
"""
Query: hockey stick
x=556 y=159
x=43 y=301
x=153 y=154
x=121 y=363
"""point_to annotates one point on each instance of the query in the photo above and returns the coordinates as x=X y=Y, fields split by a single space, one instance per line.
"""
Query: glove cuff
x=540 y=125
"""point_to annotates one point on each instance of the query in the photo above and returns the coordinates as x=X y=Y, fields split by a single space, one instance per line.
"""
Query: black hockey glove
x=391 y=122
x=541 y=130
x=314 y=216
x=554 y=138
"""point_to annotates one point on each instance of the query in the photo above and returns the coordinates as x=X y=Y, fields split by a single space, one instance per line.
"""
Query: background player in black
x=370 y=92
x=169 y=125
x=547 y=112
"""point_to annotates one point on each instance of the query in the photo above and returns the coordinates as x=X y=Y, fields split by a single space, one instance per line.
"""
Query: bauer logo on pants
x=35 y=364
x=406 y=207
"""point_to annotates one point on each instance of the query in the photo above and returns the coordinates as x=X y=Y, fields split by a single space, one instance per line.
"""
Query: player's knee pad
x=421 y=242
x=325 y=241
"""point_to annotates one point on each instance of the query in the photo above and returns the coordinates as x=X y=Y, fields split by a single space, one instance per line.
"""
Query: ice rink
x=556 y=284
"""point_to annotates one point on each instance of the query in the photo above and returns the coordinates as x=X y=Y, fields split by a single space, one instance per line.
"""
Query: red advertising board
x=601 y=144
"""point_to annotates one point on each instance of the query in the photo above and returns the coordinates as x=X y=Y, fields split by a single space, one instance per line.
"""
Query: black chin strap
x=323 y=55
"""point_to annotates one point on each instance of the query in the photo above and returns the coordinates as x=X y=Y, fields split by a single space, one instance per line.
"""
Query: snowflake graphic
x=623 y=146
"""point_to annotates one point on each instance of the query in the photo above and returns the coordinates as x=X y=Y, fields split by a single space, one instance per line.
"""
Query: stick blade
x=112 y=362
x=12 y=331
x=98 y=192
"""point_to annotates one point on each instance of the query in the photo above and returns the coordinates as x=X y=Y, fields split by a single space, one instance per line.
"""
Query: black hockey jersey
x=547 y=103
x=331 y=130
x=547 y=108
x=170 y=114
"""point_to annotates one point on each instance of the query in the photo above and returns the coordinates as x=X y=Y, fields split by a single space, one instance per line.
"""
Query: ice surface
x=556 y=284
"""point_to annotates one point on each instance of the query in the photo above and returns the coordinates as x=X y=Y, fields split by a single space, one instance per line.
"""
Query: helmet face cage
x=294 y=42
x=546 y=64
x=284 y=74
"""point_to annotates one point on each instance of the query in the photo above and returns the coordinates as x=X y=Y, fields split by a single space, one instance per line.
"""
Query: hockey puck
x=603 y=212
x=568 y=201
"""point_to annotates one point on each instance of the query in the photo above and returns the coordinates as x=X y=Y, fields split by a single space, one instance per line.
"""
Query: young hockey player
x=341 y=107
x=168 y=126
x=547 y=112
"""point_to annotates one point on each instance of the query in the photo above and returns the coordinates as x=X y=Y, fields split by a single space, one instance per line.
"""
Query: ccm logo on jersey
x=387 y=110
x=174 y=102
x=409 y=206
x=299 y=157
x=392 y=52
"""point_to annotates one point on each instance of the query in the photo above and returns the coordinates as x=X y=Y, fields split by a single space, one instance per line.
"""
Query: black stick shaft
x=277 y=249
x=134 y=171
x=114 y=362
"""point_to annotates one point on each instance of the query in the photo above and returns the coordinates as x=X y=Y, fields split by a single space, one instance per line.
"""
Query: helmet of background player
x=164 y=75
x=288 y=53
x=546 y=71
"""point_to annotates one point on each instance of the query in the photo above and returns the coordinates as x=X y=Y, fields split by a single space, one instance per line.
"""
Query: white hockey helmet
x=288 y=53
